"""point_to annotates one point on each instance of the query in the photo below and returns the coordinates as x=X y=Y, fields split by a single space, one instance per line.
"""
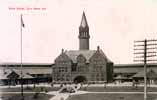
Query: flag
x=22 y=24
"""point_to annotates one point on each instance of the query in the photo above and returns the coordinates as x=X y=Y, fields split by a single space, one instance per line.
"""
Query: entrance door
x=79 y=79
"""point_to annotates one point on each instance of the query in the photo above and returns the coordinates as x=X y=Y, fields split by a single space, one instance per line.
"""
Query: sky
x=114 y=25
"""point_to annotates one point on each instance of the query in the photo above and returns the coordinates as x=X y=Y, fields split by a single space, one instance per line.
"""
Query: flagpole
x=21 y=58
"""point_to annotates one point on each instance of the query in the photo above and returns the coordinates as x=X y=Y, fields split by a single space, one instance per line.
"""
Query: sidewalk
x=91 y=85
x=64 y=96
x=60 y=96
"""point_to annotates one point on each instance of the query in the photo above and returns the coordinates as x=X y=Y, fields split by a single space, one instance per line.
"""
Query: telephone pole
x=145 y=53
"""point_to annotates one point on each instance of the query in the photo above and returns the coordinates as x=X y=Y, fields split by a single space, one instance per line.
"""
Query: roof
x=27 y=76
x=26 y=72
x=14 y=75
x=108 y=60
x=7 y=73
x=150 y=74
x=120 y=77
x=24 y=63
x=127 y=70
x=39 y=71
x=84 y=21
x=134 y=65
x=133 y=68
x=4 y=74
x=72 y=54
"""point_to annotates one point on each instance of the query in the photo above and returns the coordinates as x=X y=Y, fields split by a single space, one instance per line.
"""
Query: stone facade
x=89 y=66
x=83 y=65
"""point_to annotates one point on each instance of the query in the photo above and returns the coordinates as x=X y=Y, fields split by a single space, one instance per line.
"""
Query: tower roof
x=84 y=21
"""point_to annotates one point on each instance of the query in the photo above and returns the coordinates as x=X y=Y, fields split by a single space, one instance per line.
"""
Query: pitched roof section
x=4 y=74
x=73 y=54
x=108 y=60
x=9 y=73
x=150 y=74
x=84 y=21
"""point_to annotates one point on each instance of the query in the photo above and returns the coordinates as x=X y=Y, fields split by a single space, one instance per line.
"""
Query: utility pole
x=145 y=51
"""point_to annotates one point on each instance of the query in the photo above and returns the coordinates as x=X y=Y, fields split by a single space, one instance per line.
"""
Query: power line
x=142 y=55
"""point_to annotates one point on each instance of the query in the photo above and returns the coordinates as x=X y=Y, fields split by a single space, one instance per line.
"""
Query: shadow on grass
x=111 y=97
x=30 y=89
x=31 y=96
x=118 y=89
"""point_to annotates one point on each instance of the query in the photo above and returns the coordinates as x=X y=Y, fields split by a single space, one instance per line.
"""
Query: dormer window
x=81 y=59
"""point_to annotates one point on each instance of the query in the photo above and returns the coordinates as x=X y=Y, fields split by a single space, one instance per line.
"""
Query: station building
x=83 y=65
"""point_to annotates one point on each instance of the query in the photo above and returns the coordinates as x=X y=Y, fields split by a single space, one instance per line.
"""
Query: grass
x=85 y=96
x=111 y=97
x=26 y=96
x=119 y=89
x=91 y=89
x=30 y=89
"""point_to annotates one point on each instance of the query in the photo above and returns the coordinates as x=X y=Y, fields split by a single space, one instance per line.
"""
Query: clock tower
x=84 y=34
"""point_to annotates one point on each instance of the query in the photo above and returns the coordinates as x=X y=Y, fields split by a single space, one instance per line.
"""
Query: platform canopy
x=151 y=74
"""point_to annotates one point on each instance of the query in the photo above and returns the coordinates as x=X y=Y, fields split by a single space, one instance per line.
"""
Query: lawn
x=91 y=89
x=26 y=96
x=118 y=89
x=88 y=96
x=30 y=89
x=111 y=97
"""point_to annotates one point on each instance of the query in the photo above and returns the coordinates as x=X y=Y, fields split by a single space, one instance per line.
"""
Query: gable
x=62 y=58
x=13 y=75
x=98 y=57
x=81 y=58
x=73 y=54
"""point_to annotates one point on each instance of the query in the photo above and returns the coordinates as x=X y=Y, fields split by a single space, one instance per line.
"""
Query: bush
x=46 y=90
x=36 y=95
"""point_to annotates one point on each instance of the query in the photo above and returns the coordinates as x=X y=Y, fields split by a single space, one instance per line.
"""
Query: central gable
x=73 y=54
x=81 y=58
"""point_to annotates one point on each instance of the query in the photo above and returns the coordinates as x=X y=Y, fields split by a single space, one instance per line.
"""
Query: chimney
x=62 y=51
x=98 y=48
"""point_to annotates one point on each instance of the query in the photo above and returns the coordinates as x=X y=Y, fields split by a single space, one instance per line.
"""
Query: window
x=54 y=69
x=59 y=69
x=102 y=79
x=74 y=67
x=97 y=68
x=66 y=69
x=81 y=68
x=62 y=69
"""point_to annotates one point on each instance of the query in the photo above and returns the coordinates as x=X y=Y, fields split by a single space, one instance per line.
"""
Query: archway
x=79 y=79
